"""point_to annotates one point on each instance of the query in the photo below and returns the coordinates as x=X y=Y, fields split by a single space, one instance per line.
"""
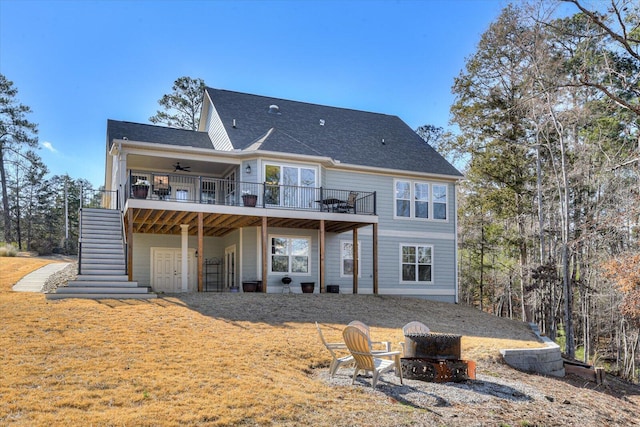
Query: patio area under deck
x=204 y=220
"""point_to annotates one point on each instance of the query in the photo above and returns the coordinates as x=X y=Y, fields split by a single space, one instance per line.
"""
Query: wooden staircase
x=103 y=273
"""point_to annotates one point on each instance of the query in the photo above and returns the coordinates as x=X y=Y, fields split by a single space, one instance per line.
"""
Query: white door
x=166 y=270
x=164 y=277
x=230 y=266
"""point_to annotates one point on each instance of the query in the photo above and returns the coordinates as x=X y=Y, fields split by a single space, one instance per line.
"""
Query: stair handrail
x=80 y=230
x=124 y=234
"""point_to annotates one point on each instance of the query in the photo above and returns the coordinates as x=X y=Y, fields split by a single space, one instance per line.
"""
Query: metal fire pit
x=439 y=371
x=436 y=358
x=432 y=346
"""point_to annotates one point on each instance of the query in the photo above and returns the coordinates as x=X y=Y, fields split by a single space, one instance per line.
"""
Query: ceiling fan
x=177 y=167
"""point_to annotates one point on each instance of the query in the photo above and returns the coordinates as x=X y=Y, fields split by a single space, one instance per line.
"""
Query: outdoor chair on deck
x=336 y=361
x=365 y=328
x=161 y=187
x=348 y=206
x=360 y=347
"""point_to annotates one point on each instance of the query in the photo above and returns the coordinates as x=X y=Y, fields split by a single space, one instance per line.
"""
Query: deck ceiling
x=160 y=221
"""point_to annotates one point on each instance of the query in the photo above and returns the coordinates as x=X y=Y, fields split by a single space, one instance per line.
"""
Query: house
x=351 y=201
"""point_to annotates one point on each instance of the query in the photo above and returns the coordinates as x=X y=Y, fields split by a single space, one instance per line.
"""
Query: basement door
x=166 y=270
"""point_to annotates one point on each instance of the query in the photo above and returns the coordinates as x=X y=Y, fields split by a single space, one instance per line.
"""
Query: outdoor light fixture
x=248 y=169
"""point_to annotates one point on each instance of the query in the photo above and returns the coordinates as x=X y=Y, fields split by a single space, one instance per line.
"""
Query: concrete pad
x=34 y=281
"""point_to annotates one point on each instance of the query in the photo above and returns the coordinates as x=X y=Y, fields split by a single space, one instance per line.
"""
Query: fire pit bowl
x=432 y=346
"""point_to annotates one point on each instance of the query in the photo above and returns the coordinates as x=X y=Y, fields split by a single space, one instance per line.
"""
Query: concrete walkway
x=34 y=281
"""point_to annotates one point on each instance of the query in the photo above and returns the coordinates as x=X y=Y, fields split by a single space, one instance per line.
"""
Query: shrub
x=7 y=249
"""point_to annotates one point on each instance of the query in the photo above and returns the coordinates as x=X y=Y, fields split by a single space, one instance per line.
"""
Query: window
x=421 y=191
x=289 y=186
x=416 y=263
x=403 y=198
x=415 y=199
x=346 y=258
x=439 y=201
x=290 y=254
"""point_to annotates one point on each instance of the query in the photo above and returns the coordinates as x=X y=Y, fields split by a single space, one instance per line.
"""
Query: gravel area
x=61 y=278
x=422 y=394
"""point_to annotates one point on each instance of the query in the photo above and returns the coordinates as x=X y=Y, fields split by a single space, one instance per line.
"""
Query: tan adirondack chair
x=365 y=328
x=336 y=361
x=414 y=327
x=360 y=347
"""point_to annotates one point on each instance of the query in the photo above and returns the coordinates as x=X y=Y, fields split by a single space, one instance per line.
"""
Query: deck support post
x=265 y=242
x=200 y=253
x=375 y=258
x=355 y=261
x=322 y=257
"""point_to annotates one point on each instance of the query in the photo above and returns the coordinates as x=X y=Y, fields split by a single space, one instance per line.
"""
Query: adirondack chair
x=365 y=328
x=360 y=347
x=414 y=327
x=336 y=362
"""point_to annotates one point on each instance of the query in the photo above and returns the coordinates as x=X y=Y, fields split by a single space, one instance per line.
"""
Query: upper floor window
x=417 y=199
x=290 y=254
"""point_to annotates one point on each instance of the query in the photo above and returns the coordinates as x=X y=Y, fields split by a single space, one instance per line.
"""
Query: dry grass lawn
x=214 y=359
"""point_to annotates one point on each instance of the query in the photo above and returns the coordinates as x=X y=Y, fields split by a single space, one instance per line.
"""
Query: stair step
x=101 y=296
x=101 y=241
x=100 y=290
x=99 y=222
x=102 y=283
x=102 y=266
x=102 y=260
x=101 y=212
x=103 y=271
x=101 y=247
x=102 y=251
x=103 y=277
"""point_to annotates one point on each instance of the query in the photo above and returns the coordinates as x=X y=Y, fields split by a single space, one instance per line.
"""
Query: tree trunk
x=5 y=200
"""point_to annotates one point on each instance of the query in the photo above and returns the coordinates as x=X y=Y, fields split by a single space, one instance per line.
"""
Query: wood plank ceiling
x=160 y=221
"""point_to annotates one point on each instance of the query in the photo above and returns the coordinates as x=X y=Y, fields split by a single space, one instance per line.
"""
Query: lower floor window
x=290 y=254
x=416 y=263
x=346 y=256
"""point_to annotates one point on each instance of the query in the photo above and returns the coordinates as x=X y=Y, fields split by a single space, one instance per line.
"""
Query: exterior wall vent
x=321 y=122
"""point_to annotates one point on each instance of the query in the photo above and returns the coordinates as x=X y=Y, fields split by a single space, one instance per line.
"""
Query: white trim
x=184 y=253
x=342 y=274
x=404 y=291
x=410 y=234
x=412 y=213
x=416 y=282
x=290 y=273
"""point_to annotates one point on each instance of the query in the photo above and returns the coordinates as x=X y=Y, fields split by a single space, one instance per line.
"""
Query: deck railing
x=207 y=190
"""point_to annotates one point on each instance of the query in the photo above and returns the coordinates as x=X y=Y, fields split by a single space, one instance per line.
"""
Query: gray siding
x=142 y=251
x=392 y=232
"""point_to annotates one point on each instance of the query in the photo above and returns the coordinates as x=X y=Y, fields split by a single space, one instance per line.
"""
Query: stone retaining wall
x=546 y=361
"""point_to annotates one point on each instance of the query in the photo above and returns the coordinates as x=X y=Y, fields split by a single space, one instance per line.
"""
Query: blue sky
x=79 y=63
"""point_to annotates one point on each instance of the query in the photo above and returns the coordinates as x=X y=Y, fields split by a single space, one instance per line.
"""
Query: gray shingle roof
x=351 y=136
x=156 y=134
